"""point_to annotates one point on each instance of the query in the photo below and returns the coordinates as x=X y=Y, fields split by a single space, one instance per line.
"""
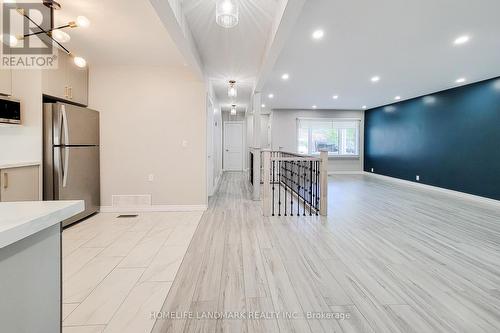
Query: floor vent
x=127 y=216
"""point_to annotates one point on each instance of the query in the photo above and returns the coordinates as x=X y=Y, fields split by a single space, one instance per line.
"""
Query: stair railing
x=294 y=184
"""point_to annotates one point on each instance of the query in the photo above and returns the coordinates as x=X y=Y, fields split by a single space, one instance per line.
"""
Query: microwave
x=10 y=110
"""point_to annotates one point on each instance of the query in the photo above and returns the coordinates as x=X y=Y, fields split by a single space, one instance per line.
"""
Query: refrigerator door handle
x=65 y=167
x=64 y=124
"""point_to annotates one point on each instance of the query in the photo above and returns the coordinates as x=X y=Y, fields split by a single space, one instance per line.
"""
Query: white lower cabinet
x=20 y=184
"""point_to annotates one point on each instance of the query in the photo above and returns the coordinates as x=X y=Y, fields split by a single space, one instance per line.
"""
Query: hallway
x=389 y=258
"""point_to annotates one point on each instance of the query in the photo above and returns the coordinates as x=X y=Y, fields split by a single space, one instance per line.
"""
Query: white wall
x=153 y=121
x=284 y=134
x=23 y=142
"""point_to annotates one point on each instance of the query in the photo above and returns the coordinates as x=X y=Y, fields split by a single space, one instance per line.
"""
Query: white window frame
x=332 y=120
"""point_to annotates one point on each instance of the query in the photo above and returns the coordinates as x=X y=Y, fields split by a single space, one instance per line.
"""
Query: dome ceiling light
x=233 y=110
x=226 y=13
x=231 y=90
x=56 y=34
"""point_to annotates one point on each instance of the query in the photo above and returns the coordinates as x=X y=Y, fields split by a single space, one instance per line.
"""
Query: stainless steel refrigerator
x=71 y=156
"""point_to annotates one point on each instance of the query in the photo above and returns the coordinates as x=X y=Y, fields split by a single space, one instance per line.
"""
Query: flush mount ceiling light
x=397 y=98
x=285 y=76
x=231 y=90
x=335 y=96
x=314 y=106
x=460 y=80
x=375 y=79
x=271 y=96
x=363 y=107
x=226 y=13
x=461 y=40
x=56 y=34
x=233 y=110
x=318 y=34
x=263 y=105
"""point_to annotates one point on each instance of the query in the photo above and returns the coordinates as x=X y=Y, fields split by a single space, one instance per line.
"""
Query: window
x=339 y=137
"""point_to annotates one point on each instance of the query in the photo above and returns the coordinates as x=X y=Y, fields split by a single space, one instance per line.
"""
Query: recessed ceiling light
x=461 y=40
x=318 y=34
x=364 y=106
x=336 y=97
x=285 y=76
x=375 y=79
x=460 y=80
x=397 y=98
x=270 y=96
x=263 y=105
x=314 y=106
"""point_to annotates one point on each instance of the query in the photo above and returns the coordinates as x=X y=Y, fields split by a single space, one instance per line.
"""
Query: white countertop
x=19 y=220
x=12 y=164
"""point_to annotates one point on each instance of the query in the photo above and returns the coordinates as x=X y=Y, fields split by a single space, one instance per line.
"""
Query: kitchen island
x=30 y=264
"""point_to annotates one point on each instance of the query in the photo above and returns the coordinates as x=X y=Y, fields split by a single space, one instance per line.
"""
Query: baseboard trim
x=458 y=194
x=345 y=172
x=154 y=208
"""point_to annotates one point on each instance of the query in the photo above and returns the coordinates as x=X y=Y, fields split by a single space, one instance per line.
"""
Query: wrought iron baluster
x=279 y=188
x=272 y=214
x=298 y=188
x=291 y=187
x=310 y=187
x=318 y=189
x=285 y=166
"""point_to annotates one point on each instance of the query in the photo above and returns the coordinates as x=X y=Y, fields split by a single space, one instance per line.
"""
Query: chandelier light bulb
x=61 y=36
x=80 y=62
x=82 y=21
x=11 y=40
x=226 y=13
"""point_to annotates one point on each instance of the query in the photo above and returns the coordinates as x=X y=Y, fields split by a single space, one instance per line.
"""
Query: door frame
x=243 y=141
x=210 y=149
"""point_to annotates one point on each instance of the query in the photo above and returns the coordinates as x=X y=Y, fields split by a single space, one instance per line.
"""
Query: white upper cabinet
x=67 y=82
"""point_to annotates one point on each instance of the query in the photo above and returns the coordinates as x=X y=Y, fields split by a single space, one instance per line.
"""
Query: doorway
x=233 y=145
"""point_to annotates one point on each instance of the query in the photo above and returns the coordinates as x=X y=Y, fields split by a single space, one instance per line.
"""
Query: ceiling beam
x=288 y=13
x=173 y=19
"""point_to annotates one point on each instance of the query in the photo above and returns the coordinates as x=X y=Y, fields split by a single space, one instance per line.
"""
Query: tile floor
x=117 y=271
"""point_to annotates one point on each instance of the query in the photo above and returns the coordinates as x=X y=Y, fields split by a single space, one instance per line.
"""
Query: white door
x=233 y=146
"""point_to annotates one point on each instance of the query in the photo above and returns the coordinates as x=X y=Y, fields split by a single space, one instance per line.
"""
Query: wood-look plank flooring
x=117 y=271
x=389 y=258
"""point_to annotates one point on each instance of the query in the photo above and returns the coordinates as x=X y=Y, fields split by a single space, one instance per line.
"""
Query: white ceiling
x=231 y=54
x=409 y=44
x=122 y=32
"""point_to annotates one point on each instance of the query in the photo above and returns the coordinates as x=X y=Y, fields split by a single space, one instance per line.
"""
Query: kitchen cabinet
x=20 y=184
x=68 y=82
x=77 y=80
x=6 y=81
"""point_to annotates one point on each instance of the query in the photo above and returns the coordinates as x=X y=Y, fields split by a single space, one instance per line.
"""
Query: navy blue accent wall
x=451 y=139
